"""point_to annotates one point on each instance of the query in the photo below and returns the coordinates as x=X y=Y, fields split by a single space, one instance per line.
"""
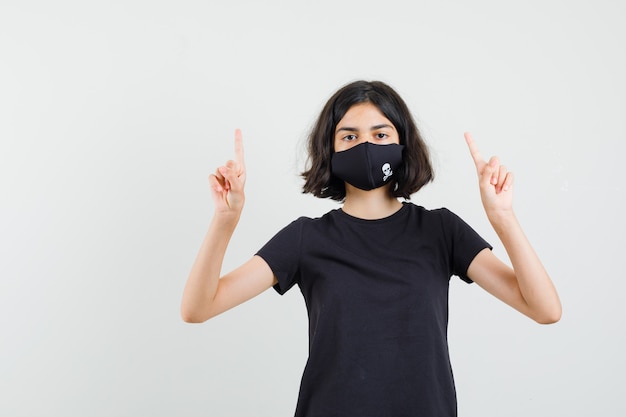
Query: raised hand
x=495 y=181
x=228 y=182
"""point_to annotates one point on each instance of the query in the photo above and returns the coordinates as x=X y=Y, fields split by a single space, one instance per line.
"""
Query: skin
x=525 y=286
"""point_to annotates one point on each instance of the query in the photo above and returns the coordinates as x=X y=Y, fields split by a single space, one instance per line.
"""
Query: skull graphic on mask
x=387 y=171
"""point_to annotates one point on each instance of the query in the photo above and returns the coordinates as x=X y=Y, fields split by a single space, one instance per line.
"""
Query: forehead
x=363 y=113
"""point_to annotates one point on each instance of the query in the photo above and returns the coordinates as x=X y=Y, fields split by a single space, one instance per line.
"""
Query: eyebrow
x=354 y=129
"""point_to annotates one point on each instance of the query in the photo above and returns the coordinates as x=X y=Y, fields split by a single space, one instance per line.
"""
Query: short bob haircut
x=416 y=170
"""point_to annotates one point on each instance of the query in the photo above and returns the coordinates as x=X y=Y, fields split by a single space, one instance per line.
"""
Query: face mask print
x=367 y=165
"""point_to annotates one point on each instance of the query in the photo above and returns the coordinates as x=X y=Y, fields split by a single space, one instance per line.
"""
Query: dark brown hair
x=416 y=170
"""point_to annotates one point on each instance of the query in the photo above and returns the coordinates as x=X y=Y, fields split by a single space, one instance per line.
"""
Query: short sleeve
x=464 y=244
x=282 y=254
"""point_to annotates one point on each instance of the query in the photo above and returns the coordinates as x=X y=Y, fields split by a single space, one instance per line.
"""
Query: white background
x=113 y=113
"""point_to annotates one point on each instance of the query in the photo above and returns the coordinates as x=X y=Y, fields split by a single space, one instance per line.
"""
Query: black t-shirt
x=376 y=292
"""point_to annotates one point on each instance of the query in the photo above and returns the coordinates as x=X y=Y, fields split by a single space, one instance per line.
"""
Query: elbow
x=549 y=317
x=192 y=319
x=190 y=316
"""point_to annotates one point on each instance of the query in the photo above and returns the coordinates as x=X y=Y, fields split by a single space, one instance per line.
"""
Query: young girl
x=375 y=273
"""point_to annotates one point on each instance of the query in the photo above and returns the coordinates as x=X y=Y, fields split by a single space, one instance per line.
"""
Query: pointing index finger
x=239 y=148
x=476 y=156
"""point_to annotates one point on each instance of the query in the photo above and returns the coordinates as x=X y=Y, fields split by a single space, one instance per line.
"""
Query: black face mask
x=367 y=165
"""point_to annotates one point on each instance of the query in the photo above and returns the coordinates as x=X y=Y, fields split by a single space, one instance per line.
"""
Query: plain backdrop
x=113 y=114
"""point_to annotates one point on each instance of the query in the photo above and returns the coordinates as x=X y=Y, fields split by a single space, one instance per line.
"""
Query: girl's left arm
x=527 y=287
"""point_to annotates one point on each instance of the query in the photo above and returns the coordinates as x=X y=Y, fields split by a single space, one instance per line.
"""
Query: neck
x=370 y=205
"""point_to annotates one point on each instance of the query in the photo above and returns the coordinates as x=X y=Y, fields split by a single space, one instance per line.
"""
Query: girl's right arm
x=206 y=294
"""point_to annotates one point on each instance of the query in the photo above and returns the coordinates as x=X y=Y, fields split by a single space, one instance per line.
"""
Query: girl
x=374 y=273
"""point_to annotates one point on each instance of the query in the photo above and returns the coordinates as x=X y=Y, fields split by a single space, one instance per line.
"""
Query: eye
x=349 y=138
x=381 y=136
